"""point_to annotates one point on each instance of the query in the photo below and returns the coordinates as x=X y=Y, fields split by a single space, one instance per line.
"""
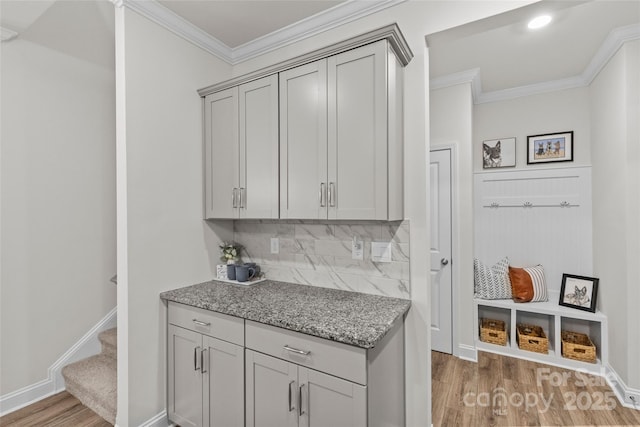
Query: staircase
x=93 y=381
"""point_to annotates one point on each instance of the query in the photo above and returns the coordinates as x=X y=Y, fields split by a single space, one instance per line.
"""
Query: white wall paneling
x=535 y=217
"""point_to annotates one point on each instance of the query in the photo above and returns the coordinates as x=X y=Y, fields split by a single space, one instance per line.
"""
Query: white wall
x=553 y=112
x=58 y=217
x=451 y=118
x=616 y=199
x=162 y=239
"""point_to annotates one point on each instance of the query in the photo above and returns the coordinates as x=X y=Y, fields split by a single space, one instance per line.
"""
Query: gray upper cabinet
x=318 y=136
x=241 y=151
x=340 y=137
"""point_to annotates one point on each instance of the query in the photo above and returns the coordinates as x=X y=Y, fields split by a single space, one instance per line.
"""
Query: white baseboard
x=468 y=352
x=159 y=420
x=87 y=345
x=621 y=390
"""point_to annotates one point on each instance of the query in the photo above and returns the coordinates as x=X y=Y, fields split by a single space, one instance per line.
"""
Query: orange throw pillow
x=528 y=284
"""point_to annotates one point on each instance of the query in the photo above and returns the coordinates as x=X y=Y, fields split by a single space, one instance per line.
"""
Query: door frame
x=452 y=147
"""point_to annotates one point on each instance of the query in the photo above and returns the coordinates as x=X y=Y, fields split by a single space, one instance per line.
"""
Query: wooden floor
x=496 y=391
x=61 y=409
x=503 y=391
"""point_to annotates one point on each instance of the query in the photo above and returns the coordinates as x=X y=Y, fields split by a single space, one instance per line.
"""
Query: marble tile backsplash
x=319 y=253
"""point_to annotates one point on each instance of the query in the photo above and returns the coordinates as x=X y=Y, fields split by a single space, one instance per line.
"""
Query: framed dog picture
x=551 y=147
x=579 y=292
x=499 y=153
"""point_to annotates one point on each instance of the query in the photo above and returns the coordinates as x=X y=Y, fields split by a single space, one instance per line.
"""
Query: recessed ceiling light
x=539 y=22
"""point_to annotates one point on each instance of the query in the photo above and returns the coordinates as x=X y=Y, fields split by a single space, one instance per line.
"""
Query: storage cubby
x=553 y=319
x=592 y=329
x=545 y=321
x=495 y=313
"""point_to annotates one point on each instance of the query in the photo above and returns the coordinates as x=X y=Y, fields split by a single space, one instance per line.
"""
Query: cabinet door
x=328 y=401
x=357 y=133
x=223 y=383
x=221 y=150
x=258 y=193
x=184 y=377
x=303 y=142
x=271 y=399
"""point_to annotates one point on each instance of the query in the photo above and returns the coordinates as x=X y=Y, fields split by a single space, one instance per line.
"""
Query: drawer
x=342 y=360
x=217 y=325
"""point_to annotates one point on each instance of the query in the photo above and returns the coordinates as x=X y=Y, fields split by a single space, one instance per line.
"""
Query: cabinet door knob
x=444 y=261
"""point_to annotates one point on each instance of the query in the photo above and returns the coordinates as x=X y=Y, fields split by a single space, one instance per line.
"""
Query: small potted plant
x=230 y=252
x=230 y=255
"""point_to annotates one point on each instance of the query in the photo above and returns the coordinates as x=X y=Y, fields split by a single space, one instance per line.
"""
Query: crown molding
x=607 y=50
x=340 y=14
x=7 y=34
x=391 y=33
x=348 y=11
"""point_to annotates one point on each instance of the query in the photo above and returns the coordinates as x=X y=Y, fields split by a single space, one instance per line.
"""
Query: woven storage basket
x=493 y=331
x=532 y=338
x=578 y=346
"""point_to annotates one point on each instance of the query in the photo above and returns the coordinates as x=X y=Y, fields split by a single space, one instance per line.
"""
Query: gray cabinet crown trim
x=391 y=33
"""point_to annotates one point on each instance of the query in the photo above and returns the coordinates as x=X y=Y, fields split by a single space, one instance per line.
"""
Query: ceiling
x=506 y=54
x=501 y=52
x=236 y=22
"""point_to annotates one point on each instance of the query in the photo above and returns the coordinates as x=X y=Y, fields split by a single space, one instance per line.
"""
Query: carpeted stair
x=93 y=380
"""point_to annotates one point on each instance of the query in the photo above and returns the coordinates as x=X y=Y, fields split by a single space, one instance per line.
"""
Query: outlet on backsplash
x=320 y=253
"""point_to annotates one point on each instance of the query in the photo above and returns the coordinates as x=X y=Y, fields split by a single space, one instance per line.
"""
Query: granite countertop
x=349 y=317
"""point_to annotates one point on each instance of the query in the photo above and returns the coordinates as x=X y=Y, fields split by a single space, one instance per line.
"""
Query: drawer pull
x=200 y=323
x=295 y=350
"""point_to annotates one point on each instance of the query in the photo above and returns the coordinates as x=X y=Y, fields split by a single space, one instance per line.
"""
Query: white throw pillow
x=492 y=282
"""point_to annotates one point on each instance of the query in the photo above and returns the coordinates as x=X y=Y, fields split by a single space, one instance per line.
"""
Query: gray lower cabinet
x=224 y=371
x=293 y=379
x=281 y=393
x=205 y=374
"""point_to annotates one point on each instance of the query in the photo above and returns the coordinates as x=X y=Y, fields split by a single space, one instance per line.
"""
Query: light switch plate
x=275 y=245
x=381 y=251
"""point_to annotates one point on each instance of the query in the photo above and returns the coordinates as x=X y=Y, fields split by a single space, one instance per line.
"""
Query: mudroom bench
x=553 y=319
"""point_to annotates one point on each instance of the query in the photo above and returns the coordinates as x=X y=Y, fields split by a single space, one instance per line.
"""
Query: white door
x=271 y=391
x=357 y=133
x=185 y=377
x=441 y=283
x=327 y=401
x=223 y=383
x=221 y=154
x=303 y=142
x=258 y=192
